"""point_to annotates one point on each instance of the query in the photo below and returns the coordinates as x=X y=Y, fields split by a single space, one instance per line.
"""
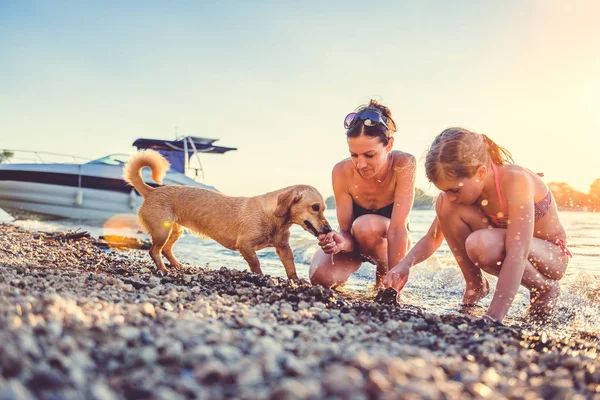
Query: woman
x=374 y=191
x=497 y=217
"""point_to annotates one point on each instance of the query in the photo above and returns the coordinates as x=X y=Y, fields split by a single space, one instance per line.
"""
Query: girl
x=497 y=217
x=374 y=191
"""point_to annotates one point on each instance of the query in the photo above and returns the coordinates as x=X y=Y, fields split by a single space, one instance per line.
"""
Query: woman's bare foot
x=474 y=293
x=542 y=301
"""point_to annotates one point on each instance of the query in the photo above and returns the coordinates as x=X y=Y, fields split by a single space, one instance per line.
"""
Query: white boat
x=95 y=189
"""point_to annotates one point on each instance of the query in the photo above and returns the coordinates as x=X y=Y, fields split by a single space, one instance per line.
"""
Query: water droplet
x=499 y=263
x=460 y=184
x=484 y=202
x=499 y=214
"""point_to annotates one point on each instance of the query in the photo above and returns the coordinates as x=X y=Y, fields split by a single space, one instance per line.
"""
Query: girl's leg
x=458 y=221
x=545 y=266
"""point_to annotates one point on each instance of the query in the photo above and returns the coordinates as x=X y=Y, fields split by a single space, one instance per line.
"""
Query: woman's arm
x=397 y=234
x=519 y=234
x=343 y=241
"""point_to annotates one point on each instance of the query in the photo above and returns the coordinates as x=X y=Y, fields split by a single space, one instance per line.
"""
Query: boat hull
x=27 y=200
x=88 y=191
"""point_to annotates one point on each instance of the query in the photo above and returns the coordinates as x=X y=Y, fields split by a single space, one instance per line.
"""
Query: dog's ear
x=285 y=201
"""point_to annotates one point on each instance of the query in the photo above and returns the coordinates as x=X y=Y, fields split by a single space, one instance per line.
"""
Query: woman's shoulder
x=404 y=162
x=343 y=168
x=343 y=165
x=403 y=158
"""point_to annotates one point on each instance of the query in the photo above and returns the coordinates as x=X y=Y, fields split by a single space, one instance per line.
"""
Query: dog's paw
x=303 y=282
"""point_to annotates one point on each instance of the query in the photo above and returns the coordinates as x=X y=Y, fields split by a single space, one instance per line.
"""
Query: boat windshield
x=112 y=159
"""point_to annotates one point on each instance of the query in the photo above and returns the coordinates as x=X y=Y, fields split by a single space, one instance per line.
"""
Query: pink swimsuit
x=541 y=209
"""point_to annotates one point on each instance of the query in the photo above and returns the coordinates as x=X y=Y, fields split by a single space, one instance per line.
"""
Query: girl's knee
x=484 y=248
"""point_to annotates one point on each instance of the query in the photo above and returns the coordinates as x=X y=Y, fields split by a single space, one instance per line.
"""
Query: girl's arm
x=426 y=246
x=422 y=250
x=520 y=206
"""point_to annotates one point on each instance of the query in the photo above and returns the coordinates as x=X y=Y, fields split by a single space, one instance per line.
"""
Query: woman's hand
x=331 y=243
x=397 y=276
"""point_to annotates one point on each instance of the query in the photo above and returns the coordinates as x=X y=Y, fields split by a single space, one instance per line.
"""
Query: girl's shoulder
x=517 y=172
x=517 y=177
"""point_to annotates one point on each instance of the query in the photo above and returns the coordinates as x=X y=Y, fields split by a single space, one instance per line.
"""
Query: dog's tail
x=132 y=172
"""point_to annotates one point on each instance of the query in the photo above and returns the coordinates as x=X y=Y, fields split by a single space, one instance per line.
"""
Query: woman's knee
x=327 y=270
x=318 y=262
x=318 y=276
x=367 y=232
x=485 y=248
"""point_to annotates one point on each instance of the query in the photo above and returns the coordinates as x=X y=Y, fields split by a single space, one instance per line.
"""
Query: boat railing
x=10 y=156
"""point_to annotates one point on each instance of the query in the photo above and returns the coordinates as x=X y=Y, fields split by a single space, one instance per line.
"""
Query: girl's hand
x=397 y=276
x=331 y=243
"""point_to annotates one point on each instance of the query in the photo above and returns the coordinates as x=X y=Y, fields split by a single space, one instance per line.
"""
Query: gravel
x=79 y=321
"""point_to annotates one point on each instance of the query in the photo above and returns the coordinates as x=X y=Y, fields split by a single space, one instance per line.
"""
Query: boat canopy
x=174 y=150
x=202 y=145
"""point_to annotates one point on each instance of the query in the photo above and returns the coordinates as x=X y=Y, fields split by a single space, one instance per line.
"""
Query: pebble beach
x=82 y=321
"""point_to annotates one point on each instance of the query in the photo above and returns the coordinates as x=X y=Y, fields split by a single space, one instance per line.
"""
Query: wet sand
x=80 y=322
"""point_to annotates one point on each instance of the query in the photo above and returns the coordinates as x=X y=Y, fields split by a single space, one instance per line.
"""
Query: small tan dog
x=245 y=224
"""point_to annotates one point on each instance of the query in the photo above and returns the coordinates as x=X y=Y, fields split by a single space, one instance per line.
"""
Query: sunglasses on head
x=368 y=116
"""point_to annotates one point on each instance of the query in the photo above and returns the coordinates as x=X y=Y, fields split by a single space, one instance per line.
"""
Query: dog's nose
x=327 y=229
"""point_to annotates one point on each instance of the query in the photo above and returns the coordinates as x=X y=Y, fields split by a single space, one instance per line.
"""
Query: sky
x=276 y=78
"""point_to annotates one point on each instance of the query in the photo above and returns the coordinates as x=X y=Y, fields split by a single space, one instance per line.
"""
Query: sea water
x=436 y=284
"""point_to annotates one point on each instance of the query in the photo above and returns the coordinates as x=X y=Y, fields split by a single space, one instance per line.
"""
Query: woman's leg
x=369 y=232
x=545 y=266
x=458 y=222
x=331 y=270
